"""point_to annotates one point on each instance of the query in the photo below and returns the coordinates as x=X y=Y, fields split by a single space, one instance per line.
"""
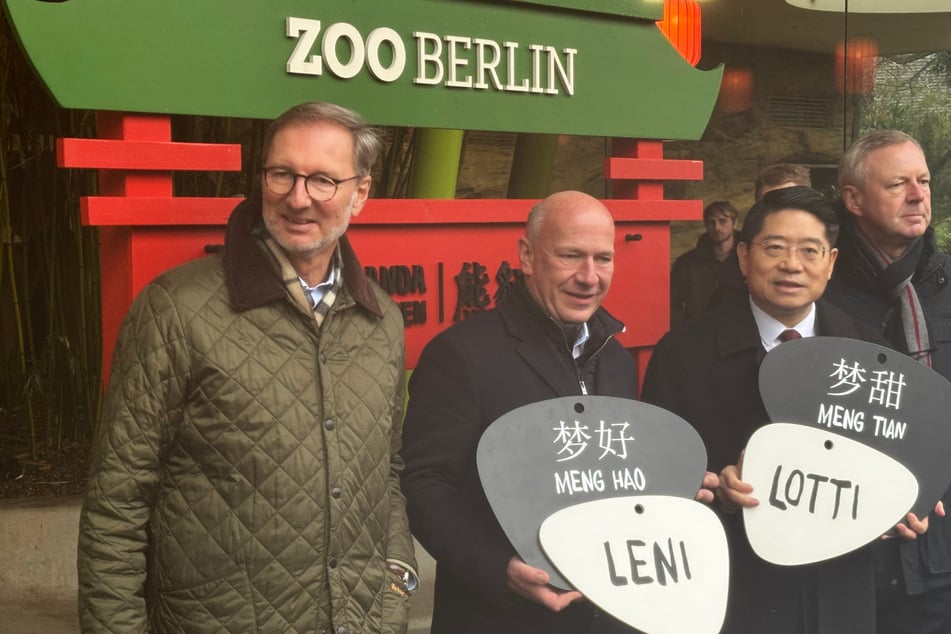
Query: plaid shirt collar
x=295 y=285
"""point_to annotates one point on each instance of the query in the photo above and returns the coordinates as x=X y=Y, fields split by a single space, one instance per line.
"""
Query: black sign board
x=546 y=456
x=870 y=394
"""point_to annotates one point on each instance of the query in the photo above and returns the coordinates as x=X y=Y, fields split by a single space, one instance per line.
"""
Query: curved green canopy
x=600 y=67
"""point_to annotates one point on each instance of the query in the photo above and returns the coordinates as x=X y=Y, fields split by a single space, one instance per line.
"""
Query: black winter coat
x=707 y=373
x=925 y=562
x=699 y=281
x=467 y=377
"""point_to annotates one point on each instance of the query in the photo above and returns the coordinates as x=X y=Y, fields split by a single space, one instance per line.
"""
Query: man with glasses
x=891 y=275
x=707 y=372
x=246 y=472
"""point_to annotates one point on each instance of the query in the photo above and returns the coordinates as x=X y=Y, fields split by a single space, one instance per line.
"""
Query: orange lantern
x=681 y=25
x=736 y=89
x=855 y=63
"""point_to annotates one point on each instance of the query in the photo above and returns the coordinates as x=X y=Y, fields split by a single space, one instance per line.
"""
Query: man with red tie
x=707 y=372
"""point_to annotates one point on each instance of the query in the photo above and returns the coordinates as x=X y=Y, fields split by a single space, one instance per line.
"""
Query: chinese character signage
x=599 y=492
x=863 y=440
x=444 y=266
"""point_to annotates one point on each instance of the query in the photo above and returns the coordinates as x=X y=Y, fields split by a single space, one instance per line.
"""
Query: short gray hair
x=366 y=140
x=853 y=169
x=535 y=219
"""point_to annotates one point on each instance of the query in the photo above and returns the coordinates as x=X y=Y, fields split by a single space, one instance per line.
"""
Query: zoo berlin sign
x=452 y=60
x=596 y=68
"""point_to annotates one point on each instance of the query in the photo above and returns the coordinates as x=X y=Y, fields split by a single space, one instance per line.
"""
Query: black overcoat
x=926 y=562
x=707 y=373
x=467 y=377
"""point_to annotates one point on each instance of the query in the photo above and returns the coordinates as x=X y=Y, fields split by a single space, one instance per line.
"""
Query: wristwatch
x=407 y=578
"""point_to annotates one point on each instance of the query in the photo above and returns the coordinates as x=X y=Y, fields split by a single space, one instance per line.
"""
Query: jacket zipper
x=578 y=370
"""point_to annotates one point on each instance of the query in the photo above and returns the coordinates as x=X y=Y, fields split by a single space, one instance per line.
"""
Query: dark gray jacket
x=467 y=377
x=926 y=562
x=699 y=281
x=707 y=373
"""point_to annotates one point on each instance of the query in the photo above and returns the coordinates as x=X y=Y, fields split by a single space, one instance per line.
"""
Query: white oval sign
x=820 y=494
x=657 y=563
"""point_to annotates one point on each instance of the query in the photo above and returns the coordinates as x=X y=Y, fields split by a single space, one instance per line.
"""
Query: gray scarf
x=894 y=282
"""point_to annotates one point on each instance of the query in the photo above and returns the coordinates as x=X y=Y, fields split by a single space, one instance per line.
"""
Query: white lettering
x=889 y=428
x=536 y=68
x=626 y=479
x=299 y=63
x=377 y=38
x=573 y=481
x=567 y=75
x=424 y=59
x=453 y=61
x=838 y=416
x=456 y=61
x=349 y=33
x=511 y=49
x=489 y=67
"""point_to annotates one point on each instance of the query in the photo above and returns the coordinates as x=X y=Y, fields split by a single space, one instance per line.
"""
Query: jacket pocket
x=937 y=545
x=220 y=605
x=395 y=612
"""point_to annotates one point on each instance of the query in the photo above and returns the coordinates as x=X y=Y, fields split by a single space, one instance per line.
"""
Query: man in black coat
x=548 y=338
x=707 y=372
x=702 y=277
x=891 y=276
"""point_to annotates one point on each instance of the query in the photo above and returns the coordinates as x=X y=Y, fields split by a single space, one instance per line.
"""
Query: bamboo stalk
x=436 y=163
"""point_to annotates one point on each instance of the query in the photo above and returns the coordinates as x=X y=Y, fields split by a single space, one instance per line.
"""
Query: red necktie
x=789 y=335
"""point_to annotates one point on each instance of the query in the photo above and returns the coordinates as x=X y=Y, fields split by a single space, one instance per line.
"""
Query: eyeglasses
x=320 y=187
x=776 y=250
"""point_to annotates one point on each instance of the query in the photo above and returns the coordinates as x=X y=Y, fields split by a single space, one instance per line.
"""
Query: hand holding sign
x=532 y=583
x=821 y=495
x=657 y=563
x=542 y=457
x=547 y=463
x=880 y=412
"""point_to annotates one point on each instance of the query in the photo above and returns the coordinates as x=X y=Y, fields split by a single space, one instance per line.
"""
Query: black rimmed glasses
x=775 y=250
x=320 y=187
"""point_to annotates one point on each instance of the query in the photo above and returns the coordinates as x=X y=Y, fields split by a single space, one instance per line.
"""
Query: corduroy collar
x=252 y=279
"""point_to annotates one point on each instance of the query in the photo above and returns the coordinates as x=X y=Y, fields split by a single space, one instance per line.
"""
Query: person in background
x=706 y=371
x=781 y=175
x=246 y=471
x=891 y=275
x=698 y=279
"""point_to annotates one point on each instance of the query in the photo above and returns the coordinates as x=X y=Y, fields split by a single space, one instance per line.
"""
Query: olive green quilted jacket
x=246 y=474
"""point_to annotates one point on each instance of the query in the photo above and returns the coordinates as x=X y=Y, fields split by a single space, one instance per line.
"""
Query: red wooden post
x=136 y=157
x=638 y=169
x=145 y=229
